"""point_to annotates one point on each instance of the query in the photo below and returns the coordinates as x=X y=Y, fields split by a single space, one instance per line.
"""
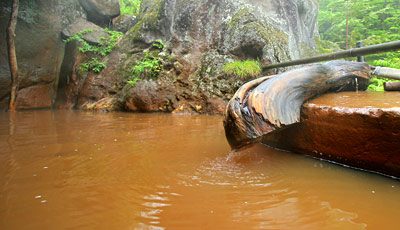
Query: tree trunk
x=12 y=58
x=347 y=24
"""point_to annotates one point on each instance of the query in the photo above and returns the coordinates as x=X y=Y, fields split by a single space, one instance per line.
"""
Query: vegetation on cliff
x=149 y=67
x=94 y=51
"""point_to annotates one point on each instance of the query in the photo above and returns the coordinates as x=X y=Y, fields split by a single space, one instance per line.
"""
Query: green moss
x=148 y=20
x=269 y=34
x=243 y=69
x=243 y=13
x=154 y=53
x=247 y=24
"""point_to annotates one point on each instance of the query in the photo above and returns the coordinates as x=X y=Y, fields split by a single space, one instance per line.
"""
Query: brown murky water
x=78 y=170
x=362 y=99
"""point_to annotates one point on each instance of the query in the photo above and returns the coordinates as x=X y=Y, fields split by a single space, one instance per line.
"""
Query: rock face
x=356 y=129
x=124 y=22
x=94 y=36
x=100 y=11
x=39 y=47
x=200 y=37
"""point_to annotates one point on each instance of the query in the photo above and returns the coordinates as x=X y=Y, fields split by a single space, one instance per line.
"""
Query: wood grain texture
x=266 y=104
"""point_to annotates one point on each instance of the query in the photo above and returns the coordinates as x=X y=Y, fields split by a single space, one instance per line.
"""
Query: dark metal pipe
x=380 y=48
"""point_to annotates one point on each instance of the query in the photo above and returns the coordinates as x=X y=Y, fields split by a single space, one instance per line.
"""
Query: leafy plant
x=376 y=84
x=159 y=44
x=104 y=47
x=390 y=61
x=93 y=65
x=248 y=68
x=148 y=67
x=130 y=6
x=107 y=44
x=133 y=80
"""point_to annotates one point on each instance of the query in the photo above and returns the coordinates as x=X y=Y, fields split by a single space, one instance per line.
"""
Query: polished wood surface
x=266 y=104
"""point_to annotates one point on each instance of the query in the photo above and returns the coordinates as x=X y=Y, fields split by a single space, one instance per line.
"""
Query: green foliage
x=243 y=69
x=325 y=46
x=93 y=65
x=376 y=84
x=391 y=60
x=130 y=6
x=104 y=47
x=133 y=80
x=107 y=44
x=148 y=67
x=373 y=22
x=159 y=44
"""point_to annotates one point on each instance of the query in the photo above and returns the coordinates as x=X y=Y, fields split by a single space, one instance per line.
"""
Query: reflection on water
x=78 y=170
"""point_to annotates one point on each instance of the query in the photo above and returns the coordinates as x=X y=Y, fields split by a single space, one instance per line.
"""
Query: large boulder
x=124 y=22
x=201 y=36
x=94 y=35
x=39 y=49
x=273 y=29
x=101 y=11
x=149 y=96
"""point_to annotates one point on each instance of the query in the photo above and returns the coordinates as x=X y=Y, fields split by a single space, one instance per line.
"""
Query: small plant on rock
x=93 y=65
x=159 y=44
x=148 y=67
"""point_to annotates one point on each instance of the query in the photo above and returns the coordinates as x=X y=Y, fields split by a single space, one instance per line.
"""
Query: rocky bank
x=199 y=36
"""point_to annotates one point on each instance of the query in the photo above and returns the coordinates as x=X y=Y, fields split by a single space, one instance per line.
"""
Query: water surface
x=361 y=99
x=83 y=170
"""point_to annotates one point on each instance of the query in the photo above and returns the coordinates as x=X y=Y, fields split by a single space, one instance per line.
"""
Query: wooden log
x=266 y=104
x=392 y=86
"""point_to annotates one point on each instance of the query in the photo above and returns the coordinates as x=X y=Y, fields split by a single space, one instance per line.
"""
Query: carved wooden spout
x=266 y=104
